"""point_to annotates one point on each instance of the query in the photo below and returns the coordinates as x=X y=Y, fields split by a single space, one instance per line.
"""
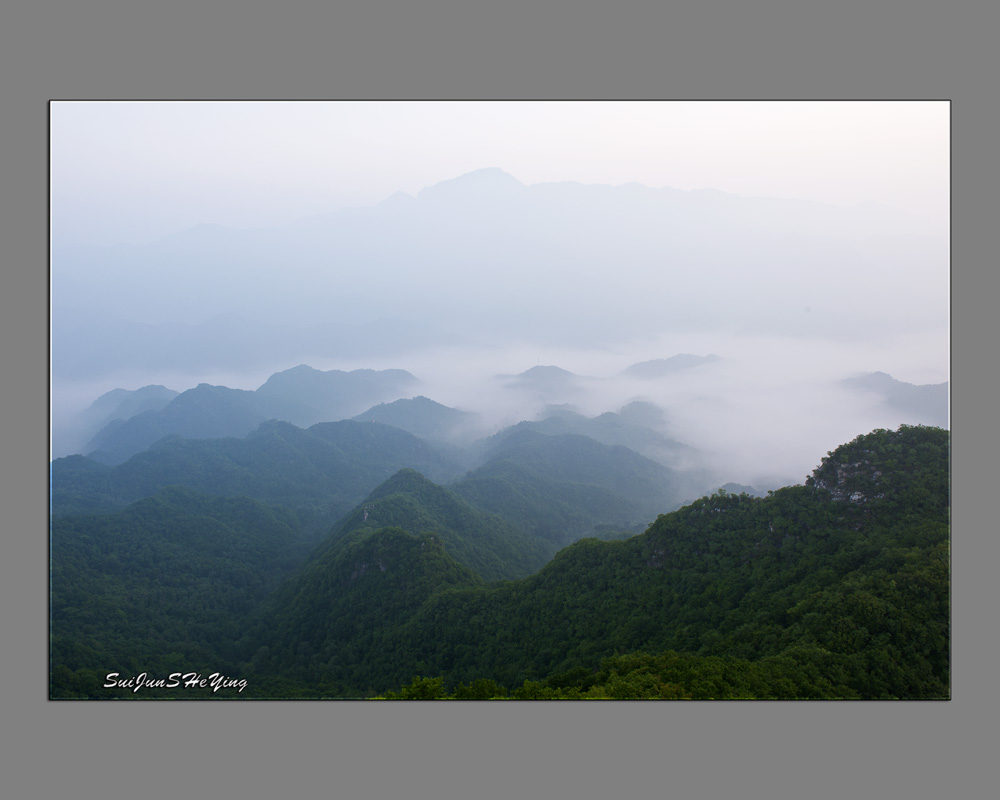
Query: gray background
x=100 y=50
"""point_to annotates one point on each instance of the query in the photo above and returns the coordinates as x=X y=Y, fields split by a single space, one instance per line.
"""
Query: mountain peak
x=892 y=466
x=397 y=200
x=660 y=367
x=490 y=181
x=404 y=480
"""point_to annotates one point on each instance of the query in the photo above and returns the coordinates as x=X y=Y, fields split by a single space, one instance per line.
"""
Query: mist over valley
x=609 y=288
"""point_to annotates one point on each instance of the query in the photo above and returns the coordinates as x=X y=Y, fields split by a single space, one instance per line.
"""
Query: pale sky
x=126 y=172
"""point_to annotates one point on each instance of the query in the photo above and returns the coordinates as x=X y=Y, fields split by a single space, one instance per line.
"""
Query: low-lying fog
x=763 y=413
x=481 y=277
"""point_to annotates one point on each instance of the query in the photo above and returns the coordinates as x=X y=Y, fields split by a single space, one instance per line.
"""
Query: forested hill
x=838 y=588
x=635 y=426
x=492 y=546
x=321 y=472
x=422 y=417
x=162 y=585
x=559 y=487
x=302 y=396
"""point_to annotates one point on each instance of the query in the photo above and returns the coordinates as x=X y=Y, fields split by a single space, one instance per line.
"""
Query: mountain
x=663 y=367
x=838 y=588
x=904 y=472
x=809 y=592
x=560 y=487
x=345 y=604
x=71 y=436
x=547 y=384
x=925 y=404
x=571 y=263
x=335 y=394
x=494 y=548
x=485 y=185
x=637 y=426
x=123 y=403
x=205 y=412
x=581 y=459
x=543 y=377
x=166 y=584
x=321 y=472
x=423 y=417
x=302 y=396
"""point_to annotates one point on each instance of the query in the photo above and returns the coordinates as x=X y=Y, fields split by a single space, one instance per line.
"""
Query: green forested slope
x=420 y=416
x=638 y=426
x=321 y=472
x=302 y=396
x=166 y=584
x=492 y=546
x=204 y=412
x=325 y=629
x=560 y=487
x=828 y=592
x=839 y=588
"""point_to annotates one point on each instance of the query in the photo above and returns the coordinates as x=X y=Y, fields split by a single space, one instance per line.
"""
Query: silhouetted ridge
x=487 y=183
x=918 y=404
x=662 y=367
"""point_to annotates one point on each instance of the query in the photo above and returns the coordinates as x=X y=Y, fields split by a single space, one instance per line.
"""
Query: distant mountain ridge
x=302 y=395
x=492 y=546
x=118 y=404
x=422 y=417
x=476 y=249
x=800 y=594
x=321 y=472
x=336 y=394
x=917 y=404
x=637 y=425
x=547 y=383
x=661 y=367
x=560 y=487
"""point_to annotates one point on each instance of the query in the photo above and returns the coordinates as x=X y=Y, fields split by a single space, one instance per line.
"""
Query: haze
x=802 y=243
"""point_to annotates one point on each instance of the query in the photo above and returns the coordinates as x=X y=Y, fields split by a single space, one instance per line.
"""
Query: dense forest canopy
x=527 y=577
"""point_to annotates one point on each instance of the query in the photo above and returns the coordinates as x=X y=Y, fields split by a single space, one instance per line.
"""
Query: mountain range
x=301 y=395
x=564 y=556
x=838 y=588
x=927 y=403
x=320 y=472
x=578 y=265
